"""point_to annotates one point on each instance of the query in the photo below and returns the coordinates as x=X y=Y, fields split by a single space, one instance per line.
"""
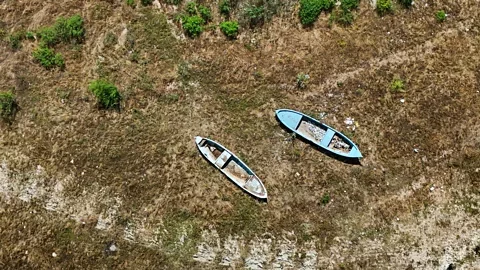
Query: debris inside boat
x=339 y=144
x=230 y=165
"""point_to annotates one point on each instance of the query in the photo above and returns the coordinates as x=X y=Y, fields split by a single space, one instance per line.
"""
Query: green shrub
x=384 y=7
x=65 y=29
x=191 y=8
x=350 y=4
x=254 y=14
x=48 y=58
x=48 y=36
x=397 y=85
x=7 y=105
x=229 y=28
x=146 y=2
x=130 y=3
x=193 y=25
x=106 y=93
x=311 y=9
x=224 y=8
x=406 y=3
x=30 y=35
x=70 y=29
x=205 y=13
x=440 y=15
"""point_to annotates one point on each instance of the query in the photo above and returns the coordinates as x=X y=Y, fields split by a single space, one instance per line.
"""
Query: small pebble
x=415 y=150
x=113 y=248
x=54 y=254
x=432 y=188
x=402 y=100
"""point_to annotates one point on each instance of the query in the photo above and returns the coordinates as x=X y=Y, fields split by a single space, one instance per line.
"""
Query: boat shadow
x=351 y=161
x=230 y=180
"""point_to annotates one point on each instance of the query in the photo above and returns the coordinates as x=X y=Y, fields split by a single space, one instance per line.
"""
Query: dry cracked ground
x=82 y=187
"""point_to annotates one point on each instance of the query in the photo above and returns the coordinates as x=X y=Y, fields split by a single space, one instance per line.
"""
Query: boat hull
x=319 y=134
x=232 y=167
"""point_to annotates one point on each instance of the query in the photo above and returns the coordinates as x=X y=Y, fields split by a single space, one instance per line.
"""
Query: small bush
x=205 y=13
x=106 y=93
x=254 y=15
x=397 y=86
x=230 y=29
x=224 y=8
x=146 y=2
x=191 y=8
x=350 y=4
x=406 y=3
x=302 y=80
x=384 y=7
x=48 y=58
x=70 y=29
x=7 y=105
x=311 y=9
x=440 y=15
x=193 y=25
x=65 y=29
x=30 y=35
x=48 y=36
x=325 y=199
x=130 y=3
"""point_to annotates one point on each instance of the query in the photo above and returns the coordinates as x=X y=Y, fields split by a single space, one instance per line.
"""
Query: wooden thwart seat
x=222 y=159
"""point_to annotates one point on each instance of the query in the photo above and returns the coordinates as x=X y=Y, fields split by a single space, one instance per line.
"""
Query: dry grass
x=175 y=89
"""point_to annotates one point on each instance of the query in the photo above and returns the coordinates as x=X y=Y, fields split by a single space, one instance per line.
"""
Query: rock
x=54 y=254
x=111 y=248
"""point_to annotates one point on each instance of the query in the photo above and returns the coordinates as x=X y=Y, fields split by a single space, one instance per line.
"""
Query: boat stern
x=355 y=153
x=289 y=118
x=198 y=139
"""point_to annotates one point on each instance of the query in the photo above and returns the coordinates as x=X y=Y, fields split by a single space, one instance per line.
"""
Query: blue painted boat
x=318 y=133
x=231 y=166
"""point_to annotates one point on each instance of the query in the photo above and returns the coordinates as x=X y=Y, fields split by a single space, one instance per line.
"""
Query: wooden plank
x=327 y=138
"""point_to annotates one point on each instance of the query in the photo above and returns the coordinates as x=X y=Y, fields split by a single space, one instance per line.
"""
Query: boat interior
x=231 y=167
x=323 y=136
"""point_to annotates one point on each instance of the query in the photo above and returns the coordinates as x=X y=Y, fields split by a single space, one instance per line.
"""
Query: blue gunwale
x=294 y=120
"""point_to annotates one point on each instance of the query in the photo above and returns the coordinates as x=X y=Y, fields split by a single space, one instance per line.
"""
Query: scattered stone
x=402 y=100
x=111 y=248
x=432 y=188
x=54 y=254
x=415 y=150
x=349 y=121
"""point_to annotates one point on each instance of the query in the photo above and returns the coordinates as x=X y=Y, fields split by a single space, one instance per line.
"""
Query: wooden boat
x=318 y=133
x=232 y=167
